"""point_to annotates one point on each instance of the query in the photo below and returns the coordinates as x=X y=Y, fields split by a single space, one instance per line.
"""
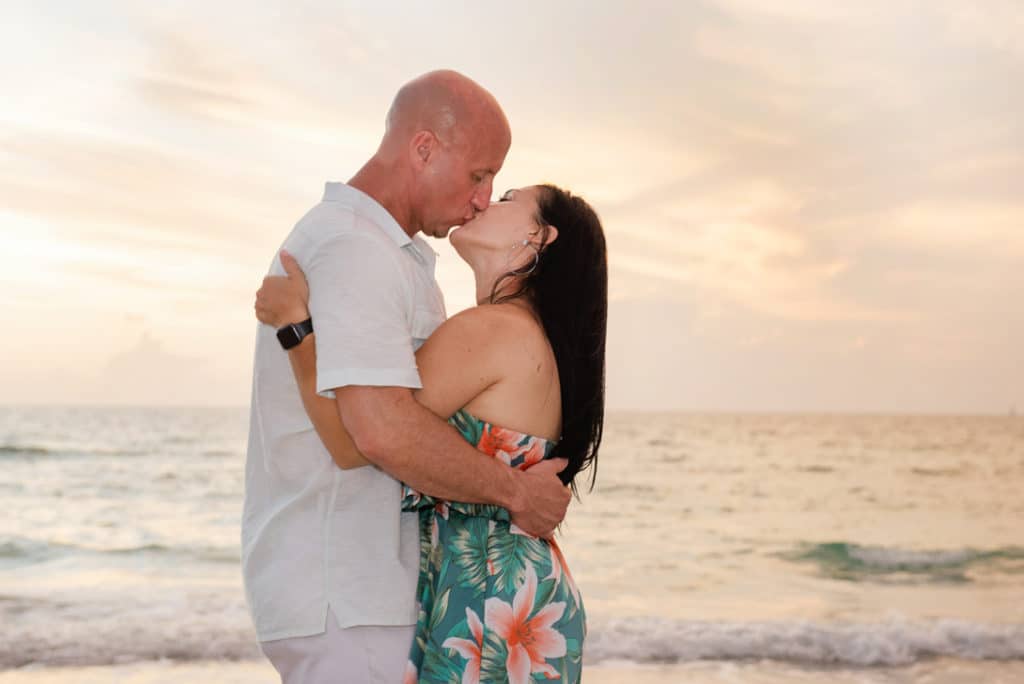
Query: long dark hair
x=568 y=287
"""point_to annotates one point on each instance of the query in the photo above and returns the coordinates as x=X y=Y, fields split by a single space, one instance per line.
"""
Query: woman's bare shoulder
x=503 y=328
x=503 y=318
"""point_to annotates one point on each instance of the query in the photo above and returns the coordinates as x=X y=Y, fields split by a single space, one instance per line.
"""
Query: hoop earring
x=536 y=258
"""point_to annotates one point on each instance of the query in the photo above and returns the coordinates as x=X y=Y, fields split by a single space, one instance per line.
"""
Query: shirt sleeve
x=359 y=302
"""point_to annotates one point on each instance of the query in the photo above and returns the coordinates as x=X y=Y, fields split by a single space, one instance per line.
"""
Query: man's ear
x=422 y=146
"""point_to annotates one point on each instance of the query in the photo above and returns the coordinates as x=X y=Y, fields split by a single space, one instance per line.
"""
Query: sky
x=809 y=206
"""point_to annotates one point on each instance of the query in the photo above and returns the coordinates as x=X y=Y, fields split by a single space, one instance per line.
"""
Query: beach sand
x=941 y=671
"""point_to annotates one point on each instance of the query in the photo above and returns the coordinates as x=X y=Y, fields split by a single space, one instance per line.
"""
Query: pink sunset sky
x=809 y=206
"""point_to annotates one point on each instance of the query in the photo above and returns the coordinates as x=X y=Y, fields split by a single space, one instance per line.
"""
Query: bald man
x=330 y=561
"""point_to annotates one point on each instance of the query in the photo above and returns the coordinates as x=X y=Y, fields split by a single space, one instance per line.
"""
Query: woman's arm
x=323 y=411
x=464 y=357
x=467 y=355
x=280 y=301
x=458 y=363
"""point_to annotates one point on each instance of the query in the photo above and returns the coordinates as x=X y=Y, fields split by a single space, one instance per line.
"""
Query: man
x=329 y=560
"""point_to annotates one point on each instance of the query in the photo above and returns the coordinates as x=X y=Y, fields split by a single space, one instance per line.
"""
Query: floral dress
x=496 y=604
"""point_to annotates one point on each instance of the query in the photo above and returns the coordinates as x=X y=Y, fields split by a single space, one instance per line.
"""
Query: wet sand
x=941 y=671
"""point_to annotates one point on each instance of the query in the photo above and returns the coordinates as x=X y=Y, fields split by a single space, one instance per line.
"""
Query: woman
x=521 y=376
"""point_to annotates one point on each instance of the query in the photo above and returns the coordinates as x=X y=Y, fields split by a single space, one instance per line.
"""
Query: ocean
x=717 y=547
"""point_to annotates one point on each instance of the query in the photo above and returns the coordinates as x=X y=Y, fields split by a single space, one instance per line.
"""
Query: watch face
x=293 y=333
x=288 y=337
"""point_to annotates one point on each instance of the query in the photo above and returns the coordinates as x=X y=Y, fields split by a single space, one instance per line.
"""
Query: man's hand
x=544 y=500
x=282 y=299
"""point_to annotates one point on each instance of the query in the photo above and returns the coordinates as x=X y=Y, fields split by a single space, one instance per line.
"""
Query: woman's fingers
x=264 y=304
x=262 y=314
x=282 y=297
x=291 y=266
x=295 y=275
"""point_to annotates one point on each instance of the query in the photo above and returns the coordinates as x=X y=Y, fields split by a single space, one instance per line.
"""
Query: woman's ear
x=550 y=234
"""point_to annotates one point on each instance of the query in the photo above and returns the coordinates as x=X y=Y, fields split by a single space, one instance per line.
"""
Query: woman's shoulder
x=503 y=330
x=499 y=320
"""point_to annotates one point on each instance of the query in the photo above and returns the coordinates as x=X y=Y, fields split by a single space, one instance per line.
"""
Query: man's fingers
x=551 y=465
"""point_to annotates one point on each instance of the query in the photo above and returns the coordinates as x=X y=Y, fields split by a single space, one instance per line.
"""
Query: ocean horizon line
x=1010 y=412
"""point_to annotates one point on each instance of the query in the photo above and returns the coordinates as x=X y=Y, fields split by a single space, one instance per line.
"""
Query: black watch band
x=291 y=334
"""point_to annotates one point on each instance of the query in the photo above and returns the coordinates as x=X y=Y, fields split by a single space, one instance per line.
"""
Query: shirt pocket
x=424 y=322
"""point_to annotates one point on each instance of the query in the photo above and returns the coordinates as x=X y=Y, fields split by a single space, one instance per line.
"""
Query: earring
x=536 y=258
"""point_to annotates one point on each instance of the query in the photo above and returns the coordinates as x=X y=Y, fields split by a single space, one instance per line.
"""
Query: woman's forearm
x=323 y=412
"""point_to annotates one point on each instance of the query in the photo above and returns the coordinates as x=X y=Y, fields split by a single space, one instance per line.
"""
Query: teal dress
x=496 y=604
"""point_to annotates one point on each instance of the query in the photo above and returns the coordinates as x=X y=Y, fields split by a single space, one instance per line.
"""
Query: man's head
x=448 y=138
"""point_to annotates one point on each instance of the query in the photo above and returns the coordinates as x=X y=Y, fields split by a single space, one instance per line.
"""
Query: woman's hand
x=283 y=299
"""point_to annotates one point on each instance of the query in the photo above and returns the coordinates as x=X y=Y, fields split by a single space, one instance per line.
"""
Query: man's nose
x=482 y=197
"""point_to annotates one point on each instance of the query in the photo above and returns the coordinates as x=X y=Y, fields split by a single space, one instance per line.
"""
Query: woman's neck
x=487 y=275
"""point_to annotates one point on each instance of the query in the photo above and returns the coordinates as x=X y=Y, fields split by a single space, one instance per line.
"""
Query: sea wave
x=851 y=644
x=219 y=634
x=22 y=450
x=847 y=561
x=34 y=452
x=25 y=551
x=19 y=548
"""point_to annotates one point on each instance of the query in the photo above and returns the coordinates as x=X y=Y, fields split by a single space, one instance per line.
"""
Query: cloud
x=997 y=25
x=779 y=181
x=146 y=373
x=190 y=72
x=132 y=192
x=959 y=223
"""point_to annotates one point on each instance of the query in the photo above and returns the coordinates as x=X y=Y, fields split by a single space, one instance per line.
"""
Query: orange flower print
x=469 y=649
x=533 y=452
x=530 y=639
x=501 y=443
x=411 y=676
x=558 y=566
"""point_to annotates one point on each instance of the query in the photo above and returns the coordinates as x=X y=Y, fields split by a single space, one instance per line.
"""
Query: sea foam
x=99 y=639
x=854 y=644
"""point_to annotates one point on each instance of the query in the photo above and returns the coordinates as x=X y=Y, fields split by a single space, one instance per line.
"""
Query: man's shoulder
x=332 y=218
x=336 y=222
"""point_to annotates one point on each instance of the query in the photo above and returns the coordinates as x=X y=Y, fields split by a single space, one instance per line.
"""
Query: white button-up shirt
x=314 y=535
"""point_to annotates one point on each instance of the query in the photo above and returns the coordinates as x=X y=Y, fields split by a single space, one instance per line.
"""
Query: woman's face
x=500 y=230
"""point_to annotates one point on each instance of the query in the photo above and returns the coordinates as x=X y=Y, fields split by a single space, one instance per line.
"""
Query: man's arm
x=458 y=362
x=365 y=359
x=411 y=444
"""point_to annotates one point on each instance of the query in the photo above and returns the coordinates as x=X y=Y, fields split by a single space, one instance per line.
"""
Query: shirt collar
x=340 y=192
x=424 y=252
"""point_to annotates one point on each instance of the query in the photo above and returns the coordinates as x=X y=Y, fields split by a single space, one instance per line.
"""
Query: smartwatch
x=293 y=333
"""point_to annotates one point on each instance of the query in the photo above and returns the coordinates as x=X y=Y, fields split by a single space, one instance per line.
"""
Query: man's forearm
x=426 y=453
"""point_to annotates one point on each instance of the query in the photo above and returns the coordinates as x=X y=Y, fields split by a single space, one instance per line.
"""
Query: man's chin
x=441 y=233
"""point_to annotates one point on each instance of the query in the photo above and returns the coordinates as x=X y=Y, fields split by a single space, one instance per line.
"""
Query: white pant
x=354 y=655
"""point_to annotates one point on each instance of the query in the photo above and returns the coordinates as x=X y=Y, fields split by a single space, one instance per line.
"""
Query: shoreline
x=937 y=671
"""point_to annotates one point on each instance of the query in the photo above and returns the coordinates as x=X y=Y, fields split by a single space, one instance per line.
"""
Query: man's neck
x=377 y=181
